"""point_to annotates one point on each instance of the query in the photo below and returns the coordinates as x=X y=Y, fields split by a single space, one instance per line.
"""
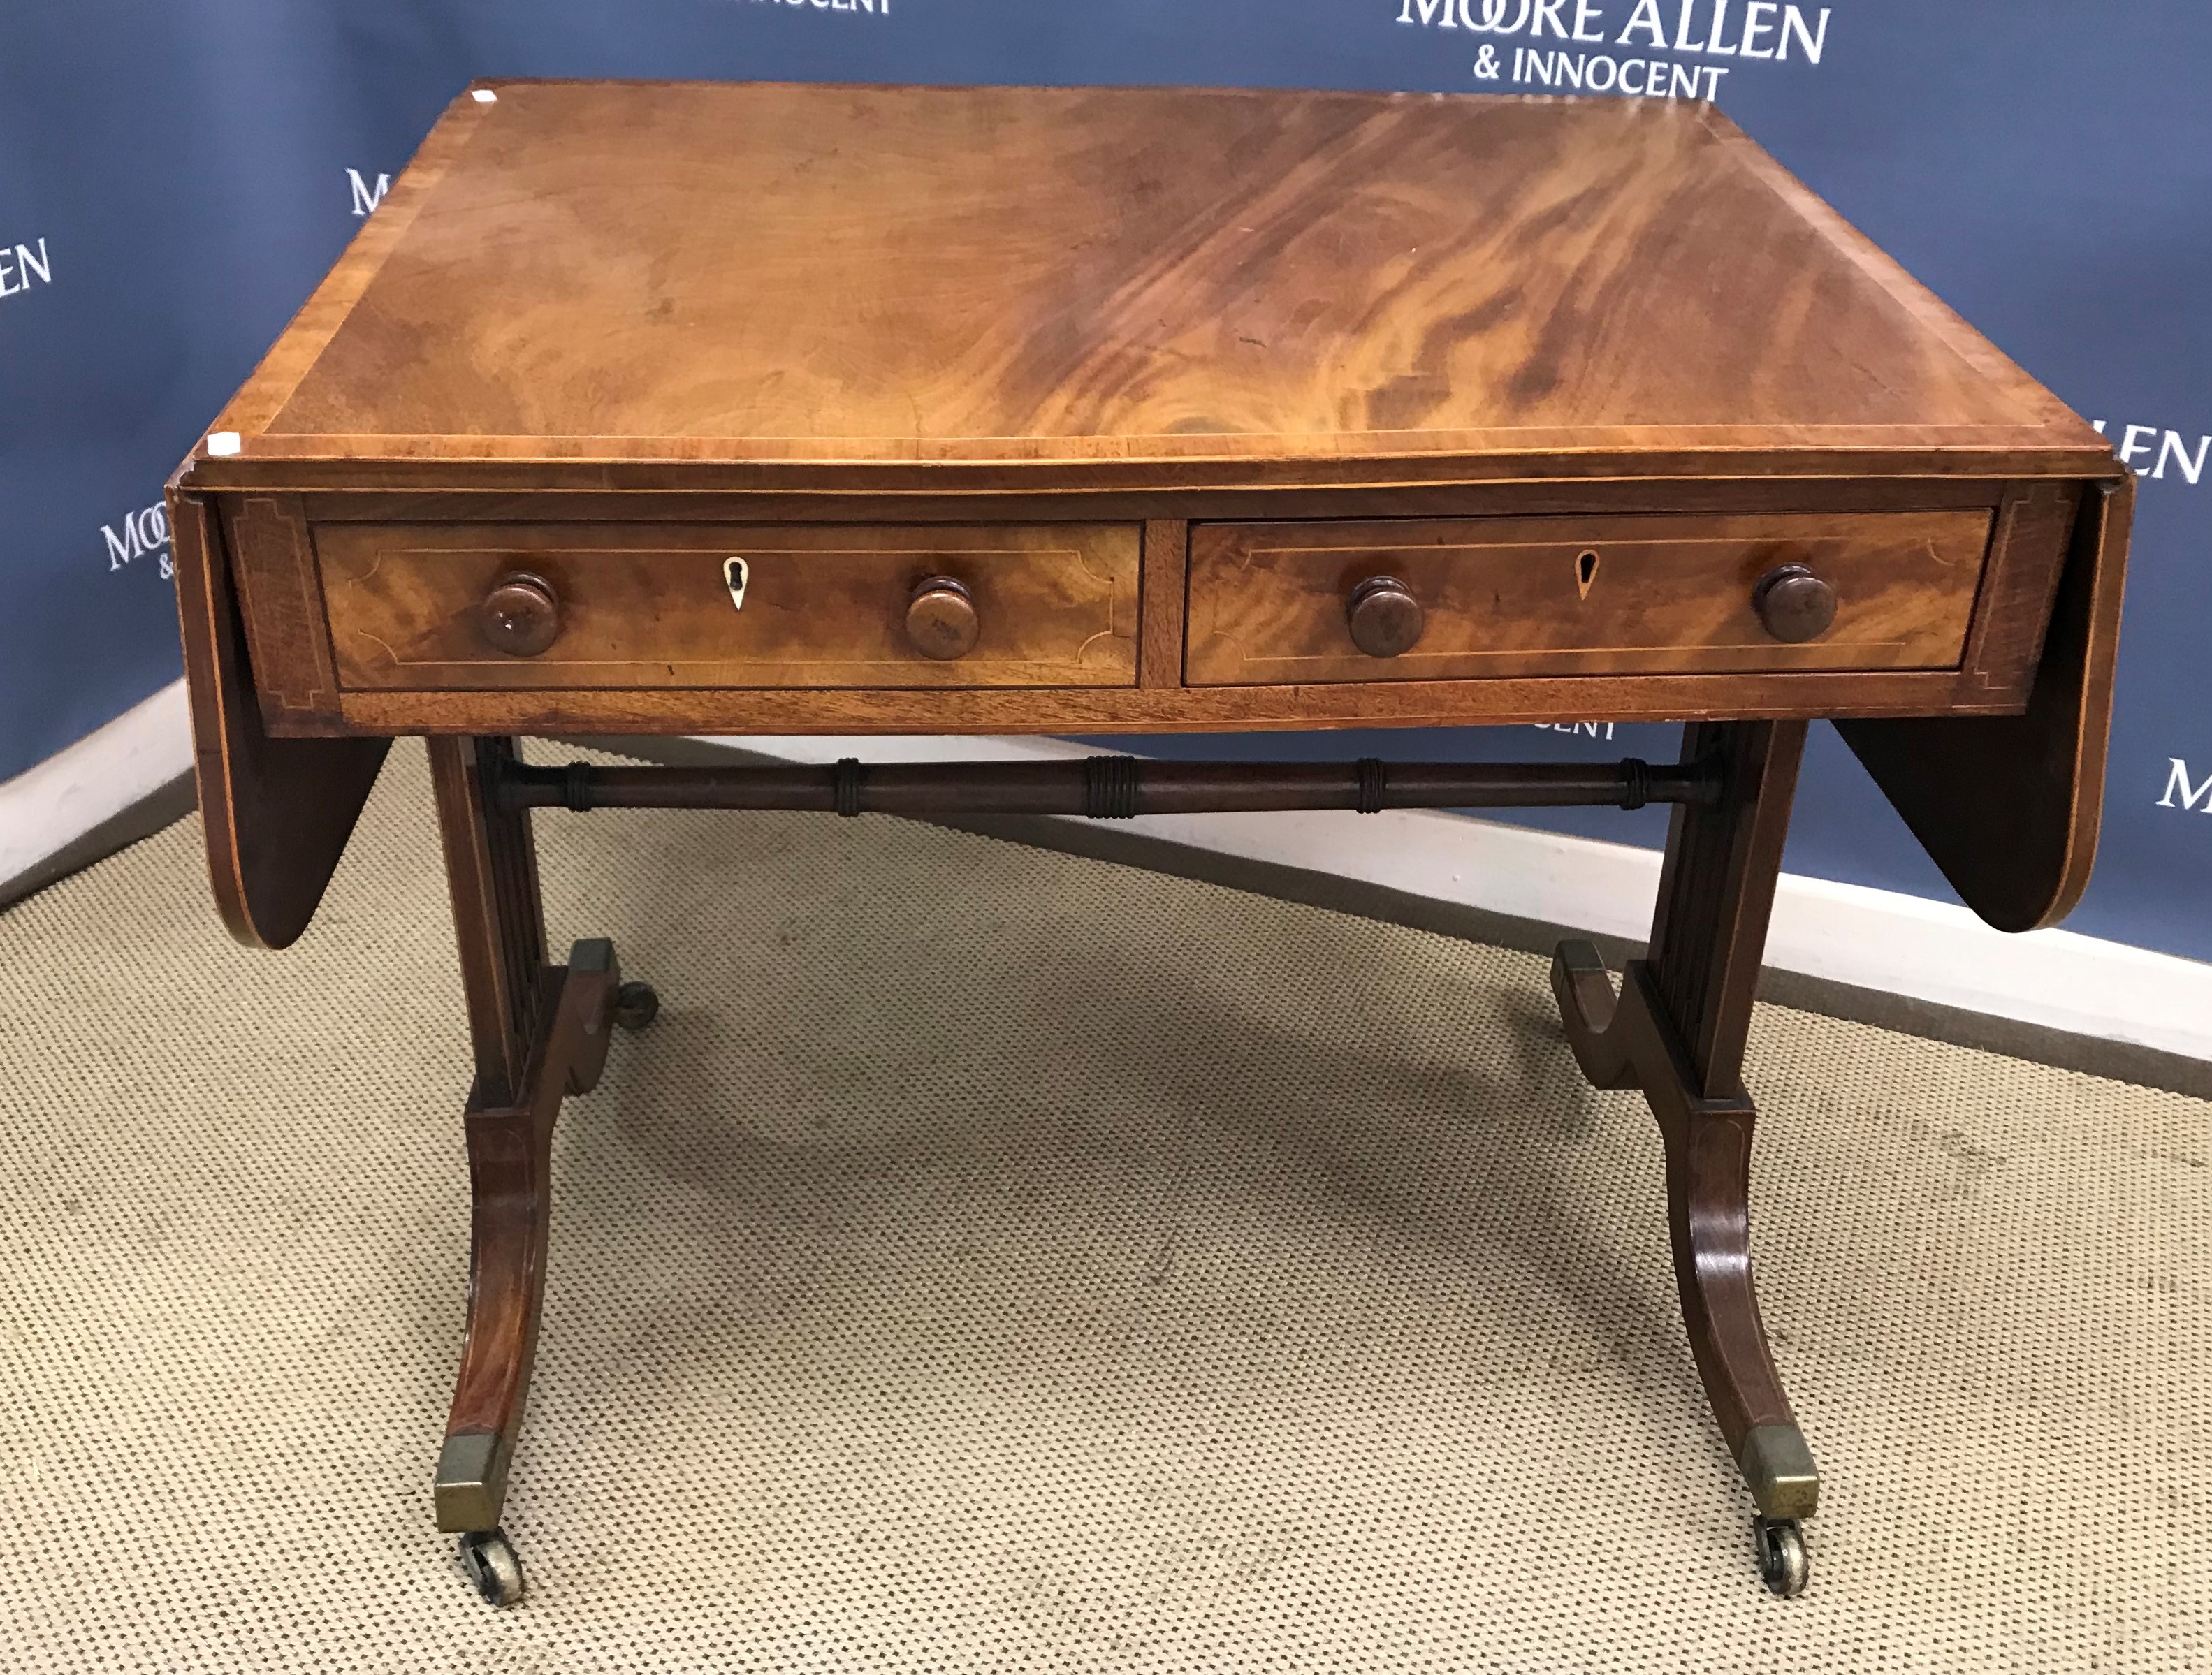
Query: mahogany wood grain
x=510 y=1191
x=1100 y=787
x=1192 y=709
x=538 y=1033
x=281 y=597
x=276 y=812
x=1678 y=1032
x=1044 y=280
x=2028 y=551
x=491 y=870
x=621 y=330
x=414 y=466
x=826 y=606
x=331 y=304
x=1717 y=891
x=1165 y=606
x=471 y=501
x=1578 y=596
x=2008 y=806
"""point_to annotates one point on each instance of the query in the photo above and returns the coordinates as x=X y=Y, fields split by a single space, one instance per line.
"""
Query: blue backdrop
x=174 y=178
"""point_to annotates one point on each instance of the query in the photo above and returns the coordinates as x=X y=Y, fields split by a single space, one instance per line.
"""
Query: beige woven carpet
x=995 y=1260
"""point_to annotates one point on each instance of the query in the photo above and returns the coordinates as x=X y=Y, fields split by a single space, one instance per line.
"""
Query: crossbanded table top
x=1047 y=280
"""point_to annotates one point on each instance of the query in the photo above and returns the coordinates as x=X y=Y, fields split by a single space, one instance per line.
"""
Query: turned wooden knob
x=1794 y=604
x=521 y=615
x=1384 y=616
x=940 y=619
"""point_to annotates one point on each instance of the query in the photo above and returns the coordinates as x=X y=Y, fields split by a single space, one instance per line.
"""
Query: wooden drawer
x=1643 y=594
x=650 y=605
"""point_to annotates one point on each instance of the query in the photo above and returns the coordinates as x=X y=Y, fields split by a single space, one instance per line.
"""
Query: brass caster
x=636 y=1004
x=494 y=1568
x=1783 y=1563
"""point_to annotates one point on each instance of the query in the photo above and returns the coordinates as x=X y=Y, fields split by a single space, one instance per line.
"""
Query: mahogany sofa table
x=762 y=409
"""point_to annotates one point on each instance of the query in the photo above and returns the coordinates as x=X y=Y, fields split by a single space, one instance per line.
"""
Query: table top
x=1064 y=286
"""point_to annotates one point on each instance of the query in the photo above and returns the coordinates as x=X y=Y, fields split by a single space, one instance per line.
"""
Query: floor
x=995 y=1259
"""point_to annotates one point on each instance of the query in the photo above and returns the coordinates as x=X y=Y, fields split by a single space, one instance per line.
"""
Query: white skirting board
x=45 y=808
x=1844 y=933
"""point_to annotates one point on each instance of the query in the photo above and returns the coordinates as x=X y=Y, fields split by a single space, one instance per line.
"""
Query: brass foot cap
x=1779 y=1468
x=472 y=1483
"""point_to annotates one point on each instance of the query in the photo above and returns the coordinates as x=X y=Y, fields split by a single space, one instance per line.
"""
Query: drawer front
x=646 y=606
x=1663 y=593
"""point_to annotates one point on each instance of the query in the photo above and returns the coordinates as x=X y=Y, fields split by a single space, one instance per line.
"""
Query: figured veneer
x=280 y=600
x=276 y=812
x=2008 y=806
x=719 y=408
x=1269 y=603
x=823 y=605
x=1048 y=277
